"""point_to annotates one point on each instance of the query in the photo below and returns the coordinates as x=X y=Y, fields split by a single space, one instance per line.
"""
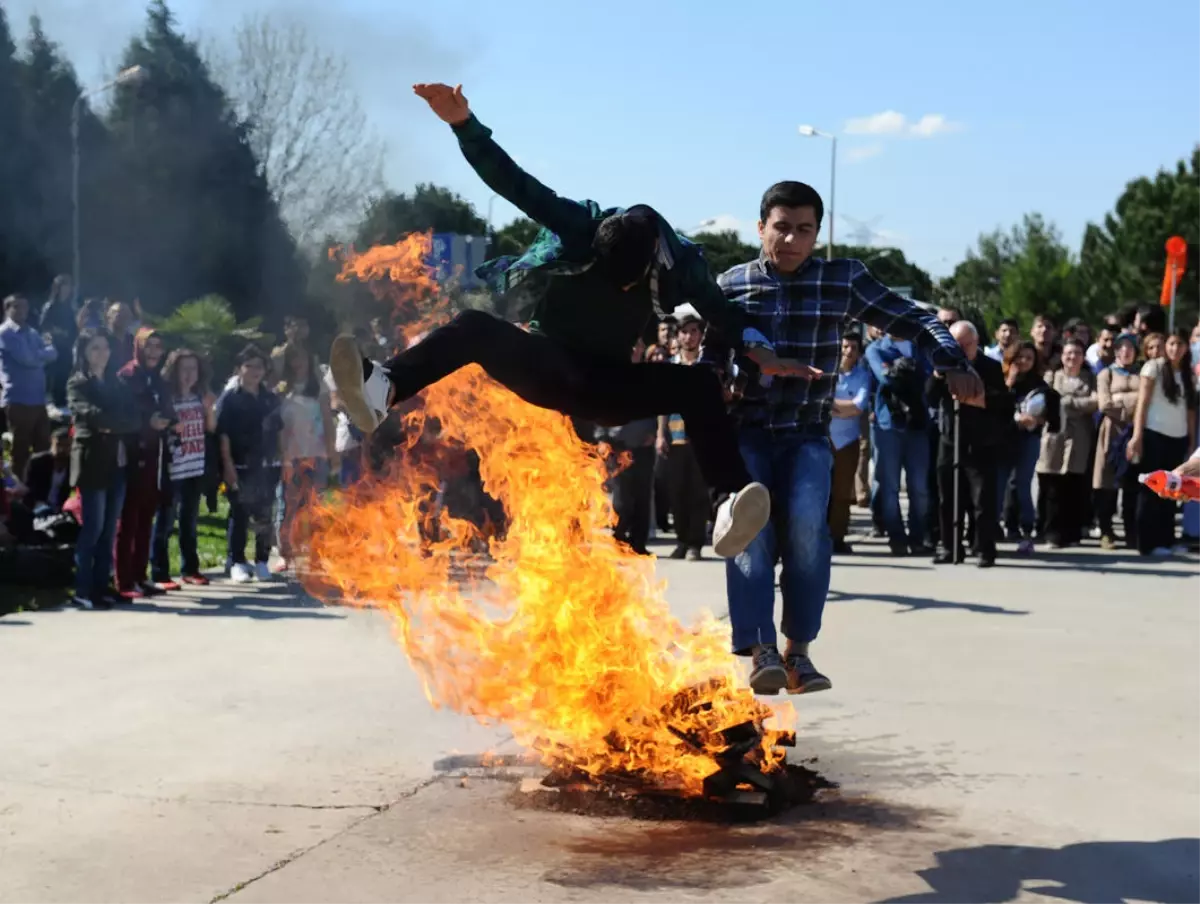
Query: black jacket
x=982 y=428
x=103 y=414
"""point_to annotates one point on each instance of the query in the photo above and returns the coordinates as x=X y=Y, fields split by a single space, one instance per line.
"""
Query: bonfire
x=568 y=640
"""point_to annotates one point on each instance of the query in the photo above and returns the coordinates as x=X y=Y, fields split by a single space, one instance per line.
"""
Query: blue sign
x=454 y=258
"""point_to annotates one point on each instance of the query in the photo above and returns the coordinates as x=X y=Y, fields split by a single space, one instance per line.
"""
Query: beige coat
x=1067 y=451
x=1116 y=395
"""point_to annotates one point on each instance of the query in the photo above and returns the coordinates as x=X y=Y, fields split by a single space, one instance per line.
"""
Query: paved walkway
x=1028 y=733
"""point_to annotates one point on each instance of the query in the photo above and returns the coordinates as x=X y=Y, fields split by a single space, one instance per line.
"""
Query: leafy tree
x=194 y=215
x=514 y=238
x=429 y=207
x=1018 y=274
x=724 y=249
x=1123 y=258
x=15 y=253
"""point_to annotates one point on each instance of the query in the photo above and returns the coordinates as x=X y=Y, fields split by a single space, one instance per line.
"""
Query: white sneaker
x=739 y=519
x=262 y=572
x=241 y=574
x=364 y=395
x=80 y=602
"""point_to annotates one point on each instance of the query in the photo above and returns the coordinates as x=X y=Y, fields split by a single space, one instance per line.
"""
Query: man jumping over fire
x=596 y=280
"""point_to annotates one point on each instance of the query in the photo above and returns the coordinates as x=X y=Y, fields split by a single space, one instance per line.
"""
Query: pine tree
x=194 y=217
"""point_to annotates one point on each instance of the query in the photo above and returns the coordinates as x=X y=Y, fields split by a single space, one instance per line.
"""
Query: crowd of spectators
x=1051 y=456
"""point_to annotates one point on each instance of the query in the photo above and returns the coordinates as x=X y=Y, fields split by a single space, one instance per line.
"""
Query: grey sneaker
x=739 y=519
x=768 y=676
x=803 y=677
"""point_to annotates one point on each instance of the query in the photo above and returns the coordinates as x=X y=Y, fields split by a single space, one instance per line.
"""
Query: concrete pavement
x=1025 y=733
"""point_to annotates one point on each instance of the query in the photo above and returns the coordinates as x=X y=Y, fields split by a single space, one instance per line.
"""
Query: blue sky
x=953 y=118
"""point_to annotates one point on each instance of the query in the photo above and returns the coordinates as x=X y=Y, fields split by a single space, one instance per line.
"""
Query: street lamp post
x=130 y=76
x=810 y=132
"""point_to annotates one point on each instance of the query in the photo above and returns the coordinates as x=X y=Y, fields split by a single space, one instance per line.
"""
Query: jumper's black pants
x=609 y=391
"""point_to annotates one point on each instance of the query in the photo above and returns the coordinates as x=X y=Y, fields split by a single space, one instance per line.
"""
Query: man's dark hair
x=957 y=312
x=1154 y=319
x=1047 y=319
x=854 y=336
x=1127 y=315
x=791 y=194
x=60 y=433
x=10 y=303
x=625 y=244
x=249 y=353
x=1009 y=321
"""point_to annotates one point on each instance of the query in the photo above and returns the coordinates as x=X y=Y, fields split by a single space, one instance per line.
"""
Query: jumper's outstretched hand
x=448 y=103
x=774 y=366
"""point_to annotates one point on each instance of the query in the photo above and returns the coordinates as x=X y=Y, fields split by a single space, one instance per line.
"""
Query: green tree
x=191 y=213
x=724 y=249
x=1122 y=259
x=1018 y=274
x=514 y=238
x=49 y=91
x=17 y=258
x=429 y=207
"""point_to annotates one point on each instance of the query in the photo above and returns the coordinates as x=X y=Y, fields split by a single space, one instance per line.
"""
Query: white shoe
x=262 y=572
x=80 y=602
x=241 y=574
x=739 y=519
x=364 y=395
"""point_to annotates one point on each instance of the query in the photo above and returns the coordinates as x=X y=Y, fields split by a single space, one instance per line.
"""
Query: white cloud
x=888 y=122
x=864 y=152
x=892 y=123
x=933 y=124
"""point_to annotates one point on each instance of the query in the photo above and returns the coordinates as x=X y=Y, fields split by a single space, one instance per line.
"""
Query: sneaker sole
x=750 y=513
x=769 y=682
x=346 y=365
x=812 y=687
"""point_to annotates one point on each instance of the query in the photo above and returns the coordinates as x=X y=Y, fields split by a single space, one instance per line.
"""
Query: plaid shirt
x=804 y=315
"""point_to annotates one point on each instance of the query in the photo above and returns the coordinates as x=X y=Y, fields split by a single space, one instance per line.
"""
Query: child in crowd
x=184 y=481
x=248 y=425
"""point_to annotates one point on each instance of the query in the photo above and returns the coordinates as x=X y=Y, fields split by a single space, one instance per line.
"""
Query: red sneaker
x=168 y=585
x=196 y=580
x=131 y=594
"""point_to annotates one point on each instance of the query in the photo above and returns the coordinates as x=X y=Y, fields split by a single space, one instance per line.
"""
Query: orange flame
x=569 y=641
x=400 y=273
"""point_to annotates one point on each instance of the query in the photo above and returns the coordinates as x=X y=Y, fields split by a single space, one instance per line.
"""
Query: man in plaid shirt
x=802 y=304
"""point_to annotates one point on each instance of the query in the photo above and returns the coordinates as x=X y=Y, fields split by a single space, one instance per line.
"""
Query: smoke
x=387 y=47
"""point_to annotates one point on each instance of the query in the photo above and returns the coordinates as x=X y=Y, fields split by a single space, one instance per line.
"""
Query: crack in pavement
x=185 y=799
x=296 y=855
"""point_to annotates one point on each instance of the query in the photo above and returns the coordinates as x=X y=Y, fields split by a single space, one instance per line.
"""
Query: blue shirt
x=879 y=357
x=23 y=360
x=854 y=386
x=803 y=316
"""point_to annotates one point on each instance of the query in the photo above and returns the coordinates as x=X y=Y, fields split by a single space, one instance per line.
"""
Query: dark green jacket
x=564 y=247
x=103 y=415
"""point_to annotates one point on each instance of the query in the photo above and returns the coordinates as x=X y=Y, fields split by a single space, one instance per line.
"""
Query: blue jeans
x=179 y=502
x=94 y=549
x=907 y=450
x=797 y=470
x=1017 y=472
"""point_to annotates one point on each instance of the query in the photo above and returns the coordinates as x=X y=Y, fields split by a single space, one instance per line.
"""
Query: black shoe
x=842 y=548
x=695 y=555
x=922 y=551
x=899 y=550
x=986 y=561
x=943 y=557
x=679 y=552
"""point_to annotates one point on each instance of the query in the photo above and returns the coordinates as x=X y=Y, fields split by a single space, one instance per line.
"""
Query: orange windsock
x=1173 y=272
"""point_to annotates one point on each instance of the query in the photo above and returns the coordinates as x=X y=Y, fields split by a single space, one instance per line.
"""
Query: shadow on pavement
x=920 y=604
x=1107 y=563
x=1089 y=873
x=247 y=606
x=13 y=622
x=707 y=856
